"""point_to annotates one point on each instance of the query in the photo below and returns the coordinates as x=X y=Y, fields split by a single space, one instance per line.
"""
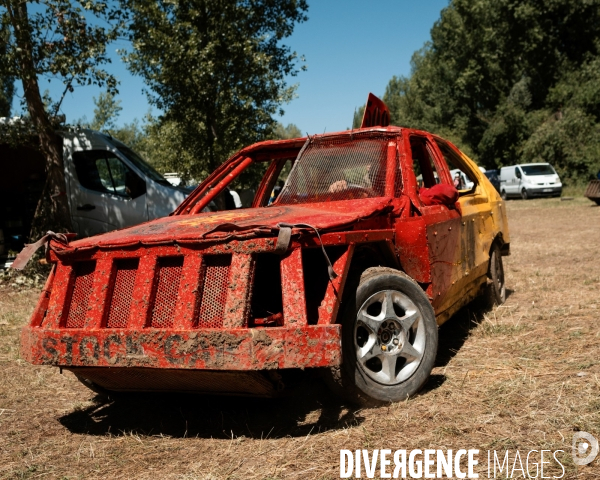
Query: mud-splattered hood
x=243 y=223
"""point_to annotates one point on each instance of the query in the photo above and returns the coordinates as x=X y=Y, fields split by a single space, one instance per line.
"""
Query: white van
x=108 y=186
x=529 y=180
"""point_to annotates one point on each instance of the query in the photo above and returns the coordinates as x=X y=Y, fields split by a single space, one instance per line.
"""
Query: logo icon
x=585 y=448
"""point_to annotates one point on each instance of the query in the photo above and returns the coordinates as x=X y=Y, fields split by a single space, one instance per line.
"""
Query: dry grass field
x=523 y=376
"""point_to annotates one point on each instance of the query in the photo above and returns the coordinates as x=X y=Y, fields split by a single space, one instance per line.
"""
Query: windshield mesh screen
x=337 y=169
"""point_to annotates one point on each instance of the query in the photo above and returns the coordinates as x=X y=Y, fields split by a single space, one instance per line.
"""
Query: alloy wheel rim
x=389 y=337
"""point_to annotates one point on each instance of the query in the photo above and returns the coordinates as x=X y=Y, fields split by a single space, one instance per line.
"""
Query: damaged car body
x=350 y=269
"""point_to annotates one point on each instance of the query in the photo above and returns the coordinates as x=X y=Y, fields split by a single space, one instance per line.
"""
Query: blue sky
x=351 y=48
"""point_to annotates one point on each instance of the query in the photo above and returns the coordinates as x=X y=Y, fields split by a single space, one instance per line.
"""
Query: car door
x=476 y=222
x=106 y=194
x=434 y=226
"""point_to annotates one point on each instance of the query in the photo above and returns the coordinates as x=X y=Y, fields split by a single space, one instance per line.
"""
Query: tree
x=488 y=79
x=106 y=112
x=357 y=117
x=217 y=68
x=6 y=82
x=284 y=133
x=54 y=38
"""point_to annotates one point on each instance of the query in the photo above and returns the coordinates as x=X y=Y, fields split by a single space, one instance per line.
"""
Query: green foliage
x=67 y=41
x=217 y=69
x=357 y=117
x=509 y=81
x=568 y=139
x=106 y=112
x=284 y=133
x=164 y=147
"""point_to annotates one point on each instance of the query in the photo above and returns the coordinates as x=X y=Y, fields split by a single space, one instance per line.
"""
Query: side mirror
x=518 y=172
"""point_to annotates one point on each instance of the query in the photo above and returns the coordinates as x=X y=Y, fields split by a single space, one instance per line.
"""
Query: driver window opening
x=284 y=173
x=423 y=164
x=241 y=192
x=462 y=178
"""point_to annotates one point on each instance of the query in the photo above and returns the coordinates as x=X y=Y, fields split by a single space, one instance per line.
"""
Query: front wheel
x=524 y=194
x=503 y=195
x=389 y=339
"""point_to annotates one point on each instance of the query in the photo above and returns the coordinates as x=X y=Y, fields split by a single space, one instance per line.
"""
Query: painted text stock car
x=367 y=248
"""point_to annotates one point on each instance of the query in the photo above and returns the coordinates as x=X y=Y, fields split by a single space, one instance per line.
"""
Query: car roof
x=526 y=164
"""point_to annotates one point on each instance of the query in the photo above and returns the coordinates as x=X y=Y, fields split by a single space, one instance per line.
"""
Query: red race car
x=350 y=268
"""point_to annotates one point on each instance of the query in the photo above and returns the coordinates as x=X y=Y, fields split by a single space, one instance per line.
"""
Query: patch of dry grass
x=523 y=376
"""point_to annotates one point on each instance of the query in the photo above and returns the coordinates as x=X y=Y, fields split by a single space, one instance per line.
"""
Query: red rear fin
x=376 y=113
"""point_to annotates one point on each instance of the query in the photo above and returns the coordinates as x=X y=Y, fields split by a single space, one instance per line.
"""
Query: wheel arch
x=502 y=245
x=374 y=254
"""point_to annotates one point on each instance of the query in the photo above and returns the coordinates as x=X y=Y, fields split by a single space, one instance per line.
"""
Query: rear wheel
x=503 y=195
x=497 y=288
x=389 y=339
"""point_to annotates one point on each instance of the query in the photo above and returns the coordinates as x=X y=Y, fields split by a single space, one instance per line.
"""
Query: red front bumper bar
x=210 y=349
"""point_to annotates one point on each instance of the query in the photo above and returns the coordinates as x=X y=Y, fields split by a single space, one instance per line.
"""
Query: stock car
x=349 y=270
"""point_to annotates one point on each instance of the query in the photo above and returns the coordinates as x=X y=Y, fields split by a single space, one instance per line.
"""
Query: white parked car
x=530 y=180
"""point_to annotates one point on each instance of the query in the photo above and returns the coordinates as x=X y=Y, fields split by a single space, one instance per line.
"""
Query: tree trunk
x=52 y=212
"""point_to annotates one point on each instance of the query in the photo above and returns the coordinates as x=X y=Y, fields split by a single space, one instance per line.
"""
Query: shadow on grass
x=310 y=409
x=454 y=333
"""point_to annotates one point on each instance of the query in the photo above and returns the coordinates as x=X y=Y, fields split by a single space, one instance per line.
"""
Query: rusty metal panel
x=211 y=349
x=99 y=292
x=237 y=289
x=60 y=288
x=292 y=288
x=376 y=113
x=41 y=308
x=142 y=292
x=192 y=278
x=411 y=244
x=207 y=228
x=335 y=288
x=443 y=239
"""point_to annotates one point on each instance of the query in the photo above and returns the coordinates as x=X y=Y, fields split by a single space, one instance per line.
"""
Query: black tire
x=596 y=201
x=503 y=195
x=405 y=350
x=496 y=286
x=524 y=194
